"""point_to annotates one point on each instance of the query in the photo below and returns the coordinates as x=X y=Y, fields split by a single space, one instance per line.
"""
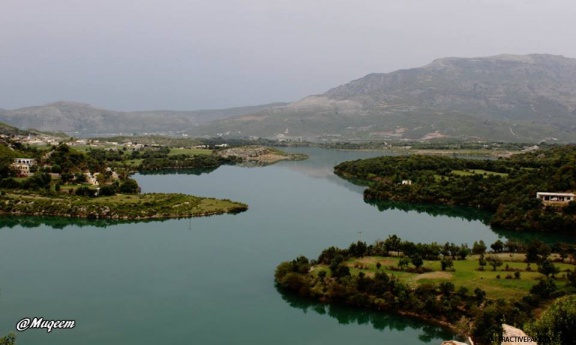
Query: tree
x=557 y=323
x=463 y=251
x=482 y=262
x=544 y=288
x=547 y=268
x=497 y=246
x=404 y=262
x=337 y=260
x=446 y=263
x=479 y=295
x=494 y=261
x=512 y=246
x=341 y=271
x=479 y=248
x=447 y=288
x=358 y=249
x=417 y=261
x=130 y=186
x=81 y=178
x=537 y=251
x=392 y=244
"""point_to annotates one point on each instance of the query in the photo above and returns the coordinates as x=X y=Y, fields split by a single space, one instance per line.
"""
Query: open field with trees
x=466 y=288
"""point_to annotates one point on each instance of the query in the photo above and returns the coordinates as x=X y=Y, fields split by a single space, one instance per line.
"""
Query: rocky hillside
x=83 y=120
x=505 y=97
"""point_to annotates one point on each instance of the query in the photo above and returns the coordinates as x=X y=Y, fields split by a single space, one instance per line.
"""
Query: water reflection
x=381 y=321
x=467 y=213
x=63 y=222
x=470 y=214
x=196 y=172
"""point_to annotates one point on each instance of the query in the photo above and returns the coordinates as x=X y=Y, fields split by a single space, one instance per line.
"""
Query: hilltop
x=79 y=119
x=504 y=98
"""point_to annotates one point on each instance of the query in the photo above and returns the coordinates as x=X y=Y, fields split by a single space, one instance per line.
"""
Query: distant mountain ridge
x=84 y=119
x=522 y=98
x=504 y=97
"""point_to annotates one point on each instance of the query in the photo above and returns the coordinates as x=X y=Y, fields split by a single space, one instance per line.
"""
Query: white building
x=23 y=165
x=548 y=197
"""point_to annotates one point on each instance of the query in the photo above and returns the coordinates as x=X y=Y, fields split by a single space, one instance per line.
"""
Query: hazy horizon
x=190 y=55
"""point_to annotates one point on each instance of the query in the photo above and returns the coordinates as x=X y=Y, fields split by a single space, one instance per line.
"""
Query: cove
x=210 y=280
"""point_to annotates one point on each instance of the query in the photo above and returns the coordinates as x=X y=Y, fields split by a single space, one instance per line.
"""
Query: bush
x=544 y=288
x=557 y=323
x=85 y=191
x=130 y=186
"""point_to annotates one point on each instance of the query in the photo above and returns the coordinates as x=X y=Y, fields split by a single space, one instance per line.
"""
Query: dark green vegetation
x=505 y=187
x=557 y=324
x=447 y=284
x=161 y=160
x=8 y=340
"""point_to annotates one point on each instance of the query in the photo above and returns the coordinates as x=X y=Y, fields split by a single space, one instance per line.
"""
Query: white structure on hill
x=23 y=165
x=548 y=197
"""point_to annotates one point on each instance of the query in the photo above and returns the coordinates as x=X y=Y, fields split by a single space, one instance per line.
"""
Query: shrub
x=557 y=323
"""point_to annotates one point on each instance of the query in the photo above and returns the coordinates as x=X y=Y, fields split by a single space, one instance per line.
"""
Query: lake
x=210 y=280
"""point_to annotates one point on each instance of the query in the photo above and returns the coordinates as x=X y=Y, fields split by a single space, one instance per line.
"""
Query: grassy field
x=477 y=171
x=465 y=274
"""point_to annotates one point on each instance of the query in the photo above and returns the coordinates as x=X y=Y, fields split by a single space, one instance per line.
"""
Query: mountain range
x=505 y=98
x=81 y=119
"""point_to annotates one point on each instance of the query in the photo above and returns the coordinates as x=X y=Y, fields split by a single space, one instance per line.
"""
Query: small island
x=464 y=288
x=259 y=155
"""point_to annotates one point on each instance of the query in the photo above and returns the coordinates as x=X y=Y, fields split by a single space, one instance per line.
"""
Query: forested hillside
x=506 y=187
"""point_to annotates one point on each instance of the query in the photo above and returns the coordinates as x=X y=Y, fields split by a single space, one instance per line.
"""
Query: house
x=23 y=165
x=549 y=198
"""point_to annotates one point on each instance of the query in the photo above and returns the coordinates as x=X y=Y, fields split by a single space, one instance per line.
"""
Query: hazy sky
x=188 y=54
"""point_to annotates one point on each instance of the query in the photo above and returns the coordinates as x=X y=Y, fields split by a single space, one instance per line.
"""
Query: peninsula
x=79 y=181
x=461 y=287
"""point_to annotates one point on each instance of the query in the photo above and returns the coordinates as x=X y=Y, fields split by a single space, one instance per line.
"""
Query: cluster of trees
x=443 y=301
x=38 y=182
x=395 y=246
x=184 y=161
x=70 y=164
x=506 y=187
